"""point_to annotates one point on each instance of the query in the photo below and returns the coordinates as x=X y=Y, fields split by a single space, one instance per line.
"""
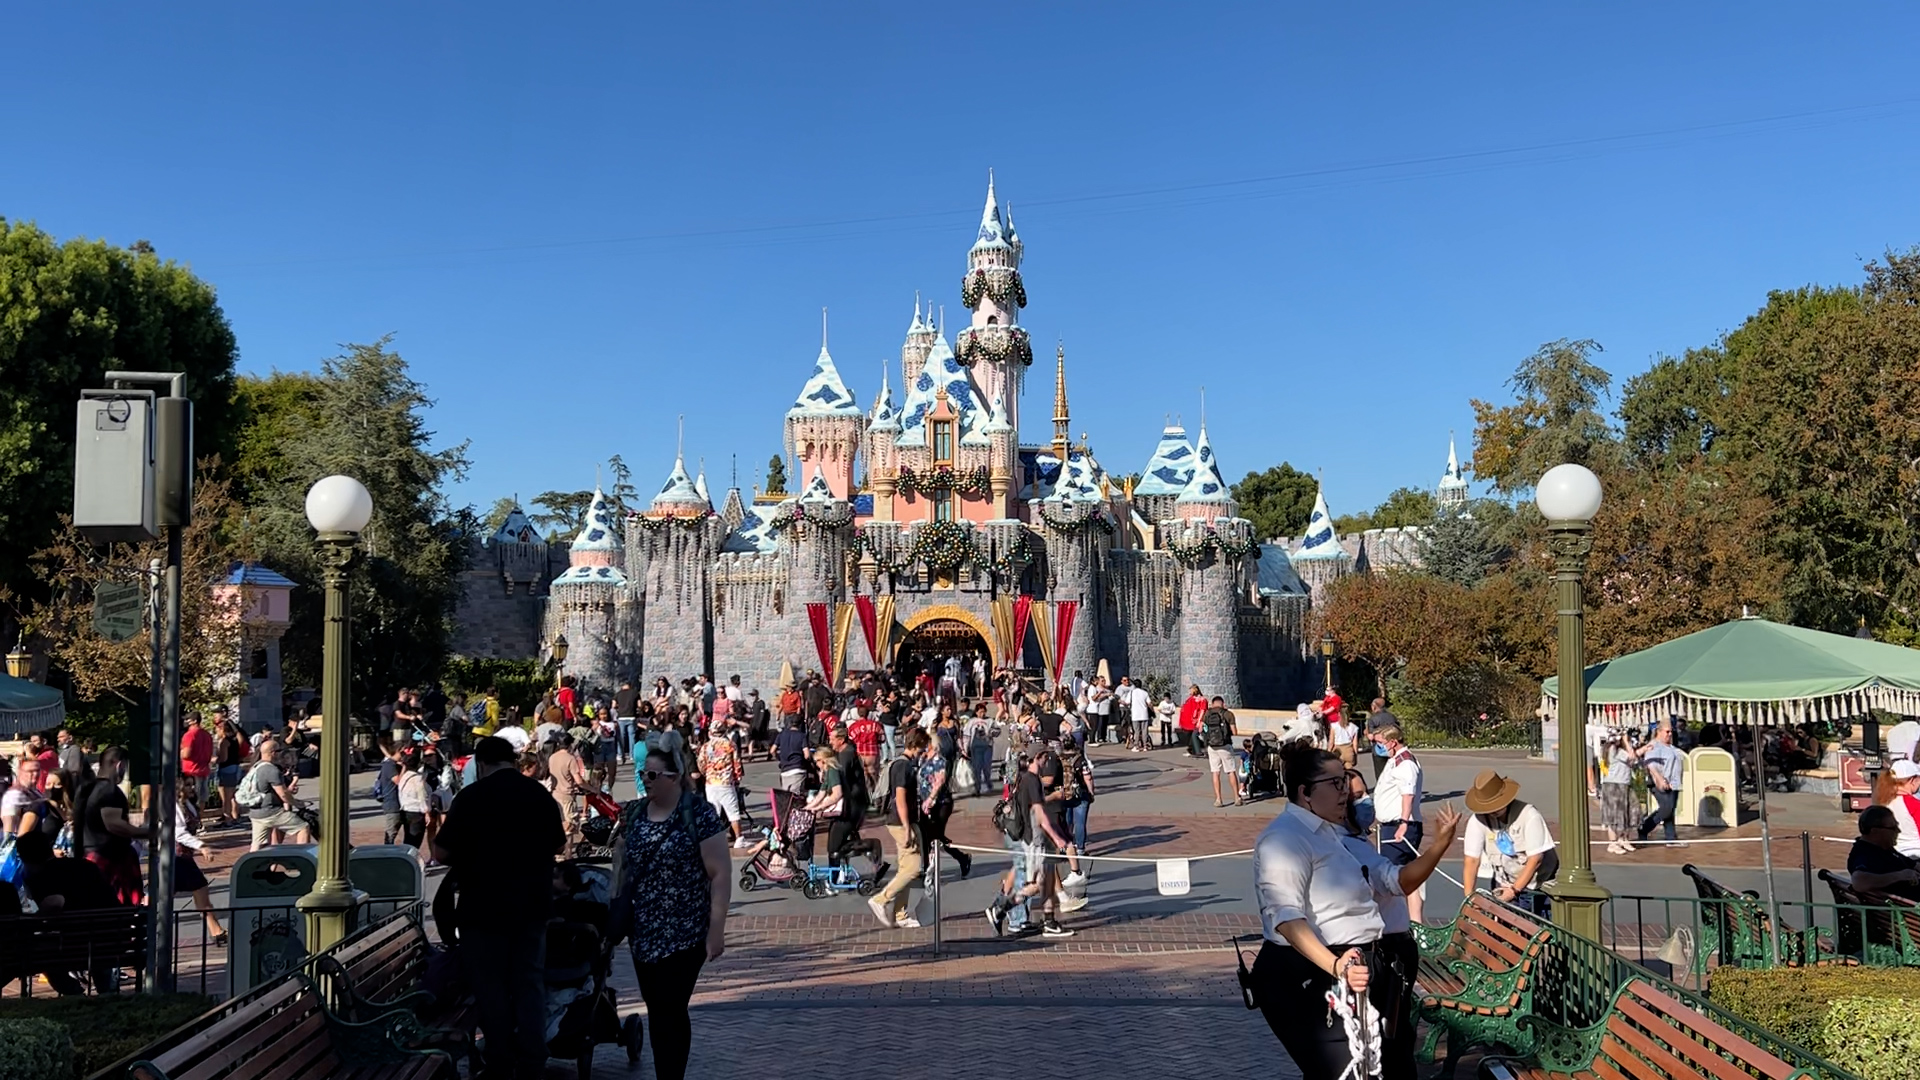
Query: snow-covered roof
x=817 y=490
x=884 y=417
x=1451 y=480
x=824 y=394
x=993 y=230
x=1171 y=466
x=942 y=372
x=755 y=532
x=517 y=529
x=1082 y=481
x=679 y=489
x=598 y=532
x=592 y=575
x=1206 y=485
x=1321 y=541
x=996 y=419
x=1277 y=576
x=248 y=573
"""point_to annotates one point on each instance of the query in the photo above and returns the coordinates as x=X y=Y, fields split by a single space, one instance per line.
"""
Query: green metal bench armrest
x=1564 y=1049
x=383 y=1040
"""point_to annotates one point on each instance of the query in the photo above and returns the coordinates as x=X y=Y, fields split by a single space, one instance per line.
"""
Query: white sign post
x=118 y=607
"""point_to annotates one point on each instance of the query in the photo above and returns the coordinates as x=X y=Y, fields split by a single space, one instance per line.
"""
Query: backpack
x=1216 y=734
x=1006 y=818
x=251 y=795
x=1071 y=767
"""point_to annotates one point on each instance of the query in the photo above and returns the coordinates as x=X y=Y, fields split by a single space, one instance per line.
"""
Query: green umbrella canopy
x=28 y=706
x=1752 y=670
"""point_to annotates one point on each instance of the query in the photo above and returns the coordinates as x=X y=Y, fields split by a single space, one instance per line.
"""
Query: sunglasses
x=655 y=774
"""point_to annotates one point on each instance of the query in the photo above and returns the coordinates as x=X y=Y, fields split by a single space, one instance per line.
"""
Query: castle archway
x=941 y=631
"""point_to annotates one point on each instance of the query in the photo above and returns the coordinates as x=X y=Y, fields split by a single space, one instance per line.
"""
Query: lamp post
x=338 y=507
x=1326 y=654
x=1569 y=496
x=559 y=657
x=20 y=661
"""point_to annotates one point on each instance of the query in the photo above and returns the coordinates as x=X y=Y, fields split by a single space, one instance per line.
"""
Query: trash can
x=389 y=875
x=1710 y=796
x=269 y=933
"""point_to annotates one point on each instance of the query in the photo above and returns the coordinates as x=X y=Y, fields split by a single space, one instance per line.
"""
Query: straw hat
x=1491 y=793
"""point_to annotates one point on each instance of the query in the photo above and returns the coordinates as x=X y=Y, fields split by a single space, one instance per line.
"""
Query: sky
x=1339 y=223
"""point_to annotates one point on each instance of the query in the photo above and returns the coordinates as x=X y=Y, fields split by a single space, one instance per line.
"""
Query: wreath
x=656 y=524
x=944 y=546
x=1016 y=555
x=1004 y=285
x=943 y=478
x=799 y=514
x=973 y=344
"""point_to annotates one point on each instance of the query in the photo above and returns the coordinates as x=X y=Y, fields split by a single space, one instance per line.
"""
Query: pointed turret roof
x=517 y=529
x=825 y=394
x=734 y=510
x=755 y=531
x=1321 y=541
x=679 y=489
x=598 y=532
x=1171 y=466
x=700 y=484
x=993 y=230
x=1452 y=480
x=916 y=326
x=817 y=490
x=942 y=372
x=1206 y=485
x=996 y=418
x=883 y=417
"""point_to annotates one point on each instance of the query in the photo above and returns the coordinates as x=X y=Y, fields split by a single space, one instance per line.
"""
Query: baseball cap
x=1905 y=769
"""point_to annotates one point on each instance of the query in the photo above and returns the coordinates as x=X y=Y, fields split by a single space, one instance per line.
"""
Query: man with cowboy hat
x=1510 y=836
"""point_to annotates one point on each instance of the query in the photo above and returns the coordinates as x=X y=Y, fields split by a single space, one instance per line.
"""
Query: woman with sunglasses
x=1319 y=917
x=674 y=874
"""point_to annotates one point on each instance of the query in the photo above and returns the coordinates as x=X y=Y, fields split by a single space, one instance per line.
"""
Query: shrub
x=102 y=1029
x=521 y=682
x=1794 y=1003
x=35 y=1050
x=1875 y=1037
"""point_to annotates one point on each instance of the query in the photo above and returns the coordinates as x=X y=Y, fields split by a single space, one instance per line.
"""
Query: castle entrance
x=926 y=648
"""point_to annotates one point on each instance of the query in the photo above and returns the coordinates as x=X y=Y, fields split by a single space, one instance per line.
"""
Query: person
x=1379 y=717
x=843 y=835
x=1217 y=732
x=60 y=885
x=719 y=764
x=1320 y=922
x=979 y=749
x=1616 y=791
x=1030 y=831
x=20 y=807
x=935 y=787
x=72 y=759
x=1139 y=705
x=626 y=712
x=674 y=882
x=790 y=753
x=43 y=752
x=1076 y=802
x=513 y=731
x=1341 y=736
x=267 y=793
x=387 y=794
x=758 y=719
x=569 y=776
x=1876 y=869
x=1099 y=711
x=903 y=825
x=500 y=839
x=1665 y=766
x=1904 y=801
x=1191 y=711
x=187 y=875
x=1508 y=837
x=57 y=813
x=230 y=758
x=104 y=835
x=196 y=757
x=1396 y=806
x=865 y=734
x=415 y=799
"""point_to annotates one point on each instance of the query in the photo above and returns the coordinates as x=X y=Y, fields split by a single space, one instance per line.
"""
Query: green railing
x=1697 y=934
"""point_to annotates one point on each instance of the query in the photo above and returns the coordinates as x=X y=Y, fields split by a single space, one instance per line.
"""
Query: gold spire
x=1060 y=415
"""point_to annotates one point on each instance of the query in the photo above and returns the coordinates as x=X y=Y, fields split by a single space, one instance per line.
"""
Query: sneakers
x=1069 y=903
x=741 y=843
x=907 y=922
x=997 y=915
x=1051 y=928
x=1029 y=930
x=880 y=912
x=966 y=864
x=1074 y=877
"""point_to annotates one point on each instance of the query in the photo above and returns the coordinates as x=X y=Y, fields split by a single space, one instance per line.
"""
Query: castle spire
x=1061 y=417
x=1452 y=492
x=991 y=230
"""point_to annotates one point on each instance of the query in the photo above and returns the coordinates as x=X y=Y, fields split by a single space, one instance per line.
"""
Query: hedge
x=99 y=1029
x=1855 y=1017
x=35 y=1050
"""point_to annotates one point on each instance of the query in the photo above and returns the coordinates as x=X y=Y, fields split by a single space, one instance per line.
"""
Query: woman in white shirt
x=1319 y=916
x=1341 y=737
x=1905 y=804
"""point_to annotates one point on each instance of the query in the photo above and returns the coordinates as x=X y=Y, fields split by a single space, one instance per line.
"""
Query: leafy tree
x=497 y=515
x=566 y=511
x=625 y=496
x=1465 y=545
x=1556 y=418
x=1670 y=413
x=363 y=415
x=1278 y=501
x=1402 y=507
x=68 y=314
x=776 y=476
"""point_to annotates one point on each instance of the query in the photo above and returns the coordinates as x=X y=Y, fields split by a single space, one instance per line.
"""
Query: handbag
x=12 y=870
x=962 y=774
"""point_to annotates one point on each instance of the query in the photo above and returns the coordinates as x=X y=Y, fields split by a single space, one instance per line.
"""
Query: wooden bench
x=284 y=1032
x=1649 y=1034
x=1880 y=930
x=74 y=941
x=1475 y=985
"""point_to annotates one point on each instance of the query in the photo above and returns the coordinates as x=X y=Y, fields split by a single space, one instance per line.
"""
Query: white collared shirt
x=1399 y=777
x=1384 y=876
x=1303 y=870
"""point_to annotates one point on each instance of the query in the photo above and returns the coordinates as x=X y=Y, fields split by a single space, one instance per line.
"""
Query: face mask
x=1363 y=813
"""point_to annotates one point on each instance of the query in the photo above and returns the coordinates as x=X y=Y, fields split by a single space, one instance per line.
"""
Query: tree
x=566 y=511
x=68 y=314
x=1555 y=419
x=497 y=515
x=1278 y=501
x=1402 y=507
x=363 y=415
x=1670 y=413
x=625 y=496
x=776 y=476
x=1464 y=546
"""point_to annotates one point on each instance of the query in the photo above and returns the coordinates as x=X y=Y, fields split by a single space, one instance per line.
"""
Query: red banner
x=818 y=616
x=864 y=605
x=1022 y=611
x=1063 y=612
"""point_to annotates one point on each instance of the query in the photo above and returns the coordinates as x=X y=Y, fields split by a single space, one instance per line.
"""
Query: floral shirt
x=718 y=761
x=667 y=880
x=933 y=768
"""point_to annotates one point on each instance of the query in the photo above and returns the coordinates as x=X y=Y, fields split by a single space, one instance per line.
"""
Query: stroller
x=781 y=856
x=582 y=1011
x=596 y=831
x=1261 y=778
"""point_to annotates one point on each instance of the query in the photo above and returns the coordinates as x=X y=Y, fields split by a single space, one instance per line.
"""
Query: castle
x=957 y=519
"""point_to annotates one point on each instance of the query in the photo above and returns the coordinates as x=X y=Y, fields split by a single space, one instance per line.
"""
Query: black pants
x=504 y=968
x=666 y=985
x=844 y=841
x=1396 y=852
x=1293 y=998
x=413 y=828
x=933 y=826
x=1400 y=955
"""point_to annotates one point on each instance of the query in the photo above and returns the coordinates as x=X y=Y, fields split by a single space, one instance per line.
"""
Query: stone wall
x=1211 y=591
x=671 y=563
x=1140 y=624
x=498 y=617
x=1278 y=663
x=750 y=636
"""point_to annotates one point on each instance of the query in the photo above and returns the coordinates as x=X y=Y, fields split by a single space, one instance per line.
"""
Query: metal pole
x=331 y=901
x=1806 y=871
x=1577 y=893
x=167 y=761
x=933 y=891
x=141 y=770
x=1766 y=847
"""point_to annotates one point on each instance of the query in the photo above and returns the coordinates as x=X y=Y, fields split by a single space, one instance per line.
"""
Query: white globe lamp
x=339 y=504
x=1568 y=493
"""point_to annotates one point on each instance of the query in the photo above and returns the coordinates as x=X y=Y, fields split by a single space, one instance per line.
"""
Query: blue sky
x=1344 y=221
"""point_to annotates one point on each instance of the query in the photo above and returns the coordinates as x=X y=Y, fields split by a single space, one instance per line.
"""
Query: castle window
x=943 y=508
x=943 y=441
x=993 y=320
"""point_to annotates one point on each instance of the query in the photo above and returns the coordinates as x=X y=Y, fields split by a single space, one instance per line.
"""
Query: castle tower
x=1165 y=476
x=670 y=549
x=816 y=546
x=883 y=430
x=1214 y=548
x=586 y=599
x=1002 y=437
x=993 y=344
x=825 y=425
x=913 y=352
x=1320 y=560
x=1452 y=492
x=521 y=552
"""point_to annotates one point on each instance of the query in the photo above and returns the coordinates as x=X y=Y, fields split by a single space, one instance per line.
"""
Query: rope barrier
x=1105 y=858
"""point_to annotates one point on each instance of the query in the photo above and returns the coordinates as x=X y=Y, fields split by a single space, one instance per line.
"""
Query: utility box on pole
x=113 y=466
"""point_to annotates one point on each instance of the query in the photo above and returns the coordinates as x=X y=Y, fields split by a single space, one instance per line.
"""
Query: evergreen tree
x=776 y=476
x=1463 y=546
x=1278 y=501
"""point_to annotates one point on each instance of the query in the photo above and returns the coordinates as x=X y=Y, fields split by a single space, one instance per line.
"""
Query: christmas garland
x=1098 y=519
x=798 y=514
x=943 y=545
x=943 y=478
x=1004 y=286
x=655 y=524
x=970 y=346
x=1194 y=552
x=1015 y=556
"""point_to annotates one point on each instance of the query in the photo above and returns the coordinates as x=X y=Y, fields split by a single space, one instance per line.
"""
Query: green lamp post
x=338 y=507
x=1568 y=496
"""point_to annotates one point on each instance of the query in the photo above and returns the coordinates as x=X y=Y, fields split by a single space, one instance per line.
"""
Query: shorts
x=725 y=800
x=1033 y=856
x=187 y=875
x=280 y=819
x=229 y=775
x=1344 y=751
x=1222 y=759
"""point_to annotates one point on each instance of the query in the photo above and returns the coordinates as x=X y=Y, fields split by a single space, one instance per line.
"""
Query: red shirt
x=1191 y=711
x=564 y=699
x=864 y=733
x=196 y=752
x=49 y=761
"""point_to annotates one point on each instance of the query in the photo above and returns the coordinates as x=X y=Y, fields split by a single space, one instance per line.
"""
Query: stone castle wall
x=501 y=612
x=1278 y=660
